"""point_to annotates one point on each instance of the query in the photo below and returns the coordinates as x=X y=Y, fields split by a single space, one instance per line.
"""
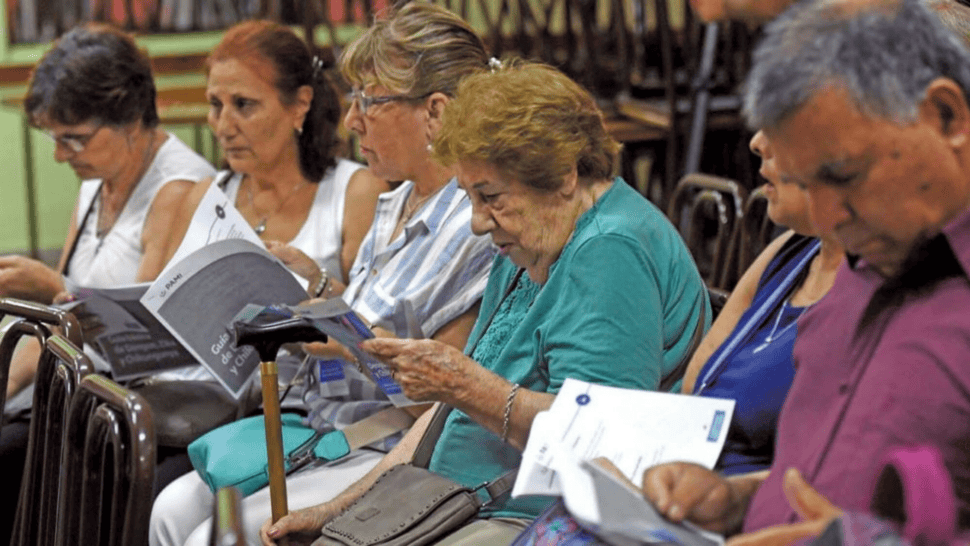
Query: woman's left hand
x=427 y=370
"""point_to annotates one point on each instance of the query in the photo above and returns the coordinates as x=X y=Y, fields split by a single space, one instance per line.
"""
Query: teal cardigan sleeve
x=607 y=326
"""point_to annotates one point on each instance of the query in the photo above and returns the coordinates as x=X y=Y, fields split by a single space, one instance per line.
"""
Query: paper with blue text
x=336 y=319
x=634 y=429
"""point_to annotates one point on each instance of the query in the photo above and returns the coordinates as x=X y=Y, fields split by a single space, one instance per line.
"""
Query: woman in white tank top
x=275 y=115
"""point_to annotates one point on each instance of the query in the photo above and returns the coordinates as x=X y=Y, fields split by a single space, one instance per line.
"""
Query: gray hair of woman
x=816 y=44
x=418 y=49
x=93 y=72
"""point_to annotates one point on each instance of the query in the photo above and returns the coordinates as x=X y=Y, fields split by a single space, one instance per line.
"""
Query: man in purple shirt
x=864 y=103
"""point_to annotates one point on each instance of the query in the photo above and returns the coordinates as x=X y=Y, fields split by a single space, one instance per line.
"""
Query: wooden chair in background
x=751 y=236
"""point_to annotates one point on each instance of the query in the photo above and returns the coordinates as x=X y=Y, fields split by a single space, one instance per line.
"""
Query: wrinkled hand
x=427 y=370
x=816 y=511
x=28 y=279
x=301 y=524
x=686 y=491
x=295 y=259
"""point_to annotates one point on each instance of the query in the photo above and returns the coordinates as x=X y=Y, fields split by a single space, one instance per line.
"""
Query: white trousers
x=182 y=513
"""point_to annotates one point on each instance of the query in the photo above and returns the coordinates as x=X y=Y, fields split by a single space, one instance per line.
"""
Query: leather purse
x=406 y=506
x=409 y=505
x=185 y=410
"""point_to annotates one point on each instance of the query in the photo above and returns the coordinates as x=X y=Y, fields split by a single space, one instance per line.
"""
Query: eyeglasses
x=74 y=142
x=364 y=102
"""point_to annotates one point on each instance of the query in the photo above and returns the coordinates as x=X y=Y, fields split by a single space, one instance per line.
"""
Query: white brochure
x=634 y=429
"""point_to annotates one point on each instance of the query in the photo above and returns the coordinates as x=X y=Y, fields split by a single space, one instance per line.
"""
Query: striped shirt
x=434 y=271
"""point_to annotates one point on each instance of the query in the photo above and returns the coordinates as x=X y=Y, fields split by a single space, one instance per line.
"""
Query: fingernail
x=70 y=297
x=675 y=512
x=273 y=532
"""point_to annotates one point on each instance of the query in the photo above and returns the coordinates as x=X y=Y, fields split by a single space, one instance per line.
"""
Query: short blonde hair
x=419 y=49
x=529 y=121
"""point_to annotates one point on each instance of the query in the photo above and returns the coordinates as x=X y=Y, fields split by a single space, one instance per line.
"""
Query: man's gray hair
x=884 y=55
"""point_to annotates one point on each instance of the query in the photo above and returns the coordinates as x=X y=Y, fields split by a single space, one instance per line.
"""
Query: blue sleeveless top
x=753 y=366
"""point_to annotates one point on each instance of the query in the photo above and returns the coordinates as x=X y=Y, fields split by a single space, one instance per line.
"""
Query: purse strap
x=422 y=453
x=77 y=236
x=377 y=426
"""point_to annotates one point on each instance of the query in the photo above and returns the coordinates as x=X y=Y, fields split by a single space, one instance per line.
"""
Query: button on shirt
x=904 y=379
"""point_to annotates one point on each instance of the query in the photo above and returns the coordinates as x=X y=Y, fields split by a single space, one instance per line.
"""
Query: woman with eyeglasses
x=94 y=95
x=420 y=271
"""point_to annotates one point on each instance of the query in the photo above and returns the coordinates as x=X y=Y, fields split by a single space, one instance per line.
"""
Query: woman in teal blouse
x=591 y=282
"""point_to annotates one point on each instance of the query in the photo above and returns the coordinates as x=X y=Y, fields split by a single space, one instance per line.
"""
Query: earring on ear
x=429 y=147
x=299 y=131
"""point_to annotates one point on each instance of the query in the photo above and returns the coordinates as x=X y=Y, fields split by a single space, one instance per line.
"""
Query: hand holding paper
x=426 y=369
x=339 y=321
x=583 y=424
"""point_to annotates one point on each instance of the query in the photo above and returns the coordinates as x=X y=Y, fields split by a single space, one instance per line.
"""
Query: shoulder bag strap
x=80 y=228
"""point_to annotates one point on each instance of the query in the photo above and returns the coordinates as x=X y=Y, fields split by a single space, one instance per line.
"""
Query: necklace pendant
x=762 y=347
x=261 y=226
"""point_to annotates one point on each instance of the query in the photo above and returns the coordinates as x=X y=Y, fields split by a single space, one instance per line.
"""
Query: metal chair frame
x=699 y=194
x=55 y=382
x=107 y=467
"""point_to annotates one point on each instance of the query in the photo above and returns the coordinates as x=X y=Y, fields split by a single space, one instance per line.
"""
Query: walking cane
x=267 y=340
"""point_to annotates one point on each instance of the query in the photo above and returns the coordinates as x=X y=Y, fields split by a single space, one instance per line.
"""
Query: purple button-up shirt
x=903 y=380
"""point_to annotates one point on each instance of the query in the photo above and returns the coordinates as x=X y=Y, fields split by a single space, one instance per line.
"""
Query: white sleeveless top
x=113 y=259
x=321 y=236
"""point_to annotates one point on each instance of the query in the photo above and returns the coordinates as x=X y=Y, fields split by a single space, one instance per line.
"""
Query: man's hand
x=686 y=491
x=28 y=279
x=816 y=511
